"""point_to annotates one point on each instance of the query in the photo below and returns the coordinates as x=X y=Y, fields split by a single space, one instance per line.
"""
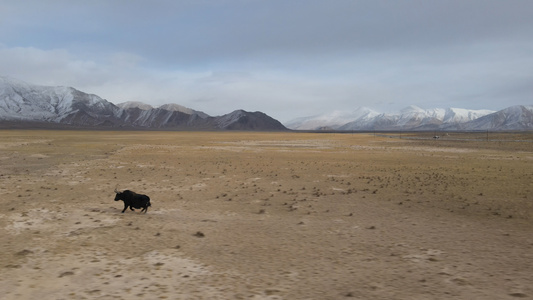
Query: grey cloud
x=344 y=28
x=190 y=32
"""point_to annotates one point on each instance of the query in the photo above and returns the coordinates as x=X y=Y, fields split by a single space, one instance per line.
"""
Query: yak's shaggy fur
x=133 y=200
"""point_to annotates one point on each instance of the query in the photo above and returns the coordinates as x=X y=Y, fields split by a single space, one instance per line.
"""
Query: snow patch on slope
x=331 y=120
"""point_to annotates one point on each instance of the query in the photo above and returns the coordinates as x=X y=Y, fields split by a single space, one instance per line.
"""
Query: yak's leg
x=131 y=207
x=145 y=209
x=125 y=207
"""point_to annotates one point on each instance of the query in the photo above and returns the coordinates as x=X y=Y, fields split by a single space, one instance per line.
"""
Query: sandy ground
x=263 y=216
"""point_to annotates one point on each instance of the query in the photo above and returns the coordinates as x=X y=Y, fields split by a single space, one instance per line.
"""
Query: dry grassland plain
x=247 y=215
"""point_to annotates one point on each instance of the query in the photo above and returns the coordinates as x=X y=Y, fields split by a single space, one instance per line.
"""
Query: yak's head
x=119 y=195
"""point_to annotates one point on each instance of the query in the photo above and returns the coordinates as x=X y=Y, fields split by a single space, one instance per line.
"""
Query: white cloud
x=52 y=67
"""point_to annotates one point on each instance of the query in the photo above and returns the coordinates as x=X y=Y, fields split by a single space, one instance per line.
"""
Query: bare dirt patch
x=263 y=216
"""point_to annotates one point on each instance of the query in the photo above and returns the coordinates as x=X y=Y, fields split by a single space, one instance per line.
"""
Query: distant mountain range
x=23 y=104
x=414 y=118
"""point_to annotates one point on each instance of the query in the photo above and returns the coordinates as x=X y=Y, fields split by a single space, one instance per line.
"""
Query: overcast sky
x=287 y=58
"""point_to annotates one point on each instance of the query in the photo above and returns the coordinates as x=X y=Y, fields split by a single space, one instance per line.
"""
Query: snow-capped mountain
x=409 y=118
x=21 y=102
x=167 y=115
x=27 y=102
x=168 y=107
x=517 y=117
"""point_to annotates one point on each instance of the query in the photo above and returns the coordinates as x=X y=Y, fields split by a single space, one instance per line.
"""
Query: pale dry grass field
x=263 y=216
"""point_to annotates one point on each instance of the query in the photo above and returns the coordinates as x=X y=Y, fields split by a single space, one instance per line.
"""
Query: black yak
x=133 y=200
